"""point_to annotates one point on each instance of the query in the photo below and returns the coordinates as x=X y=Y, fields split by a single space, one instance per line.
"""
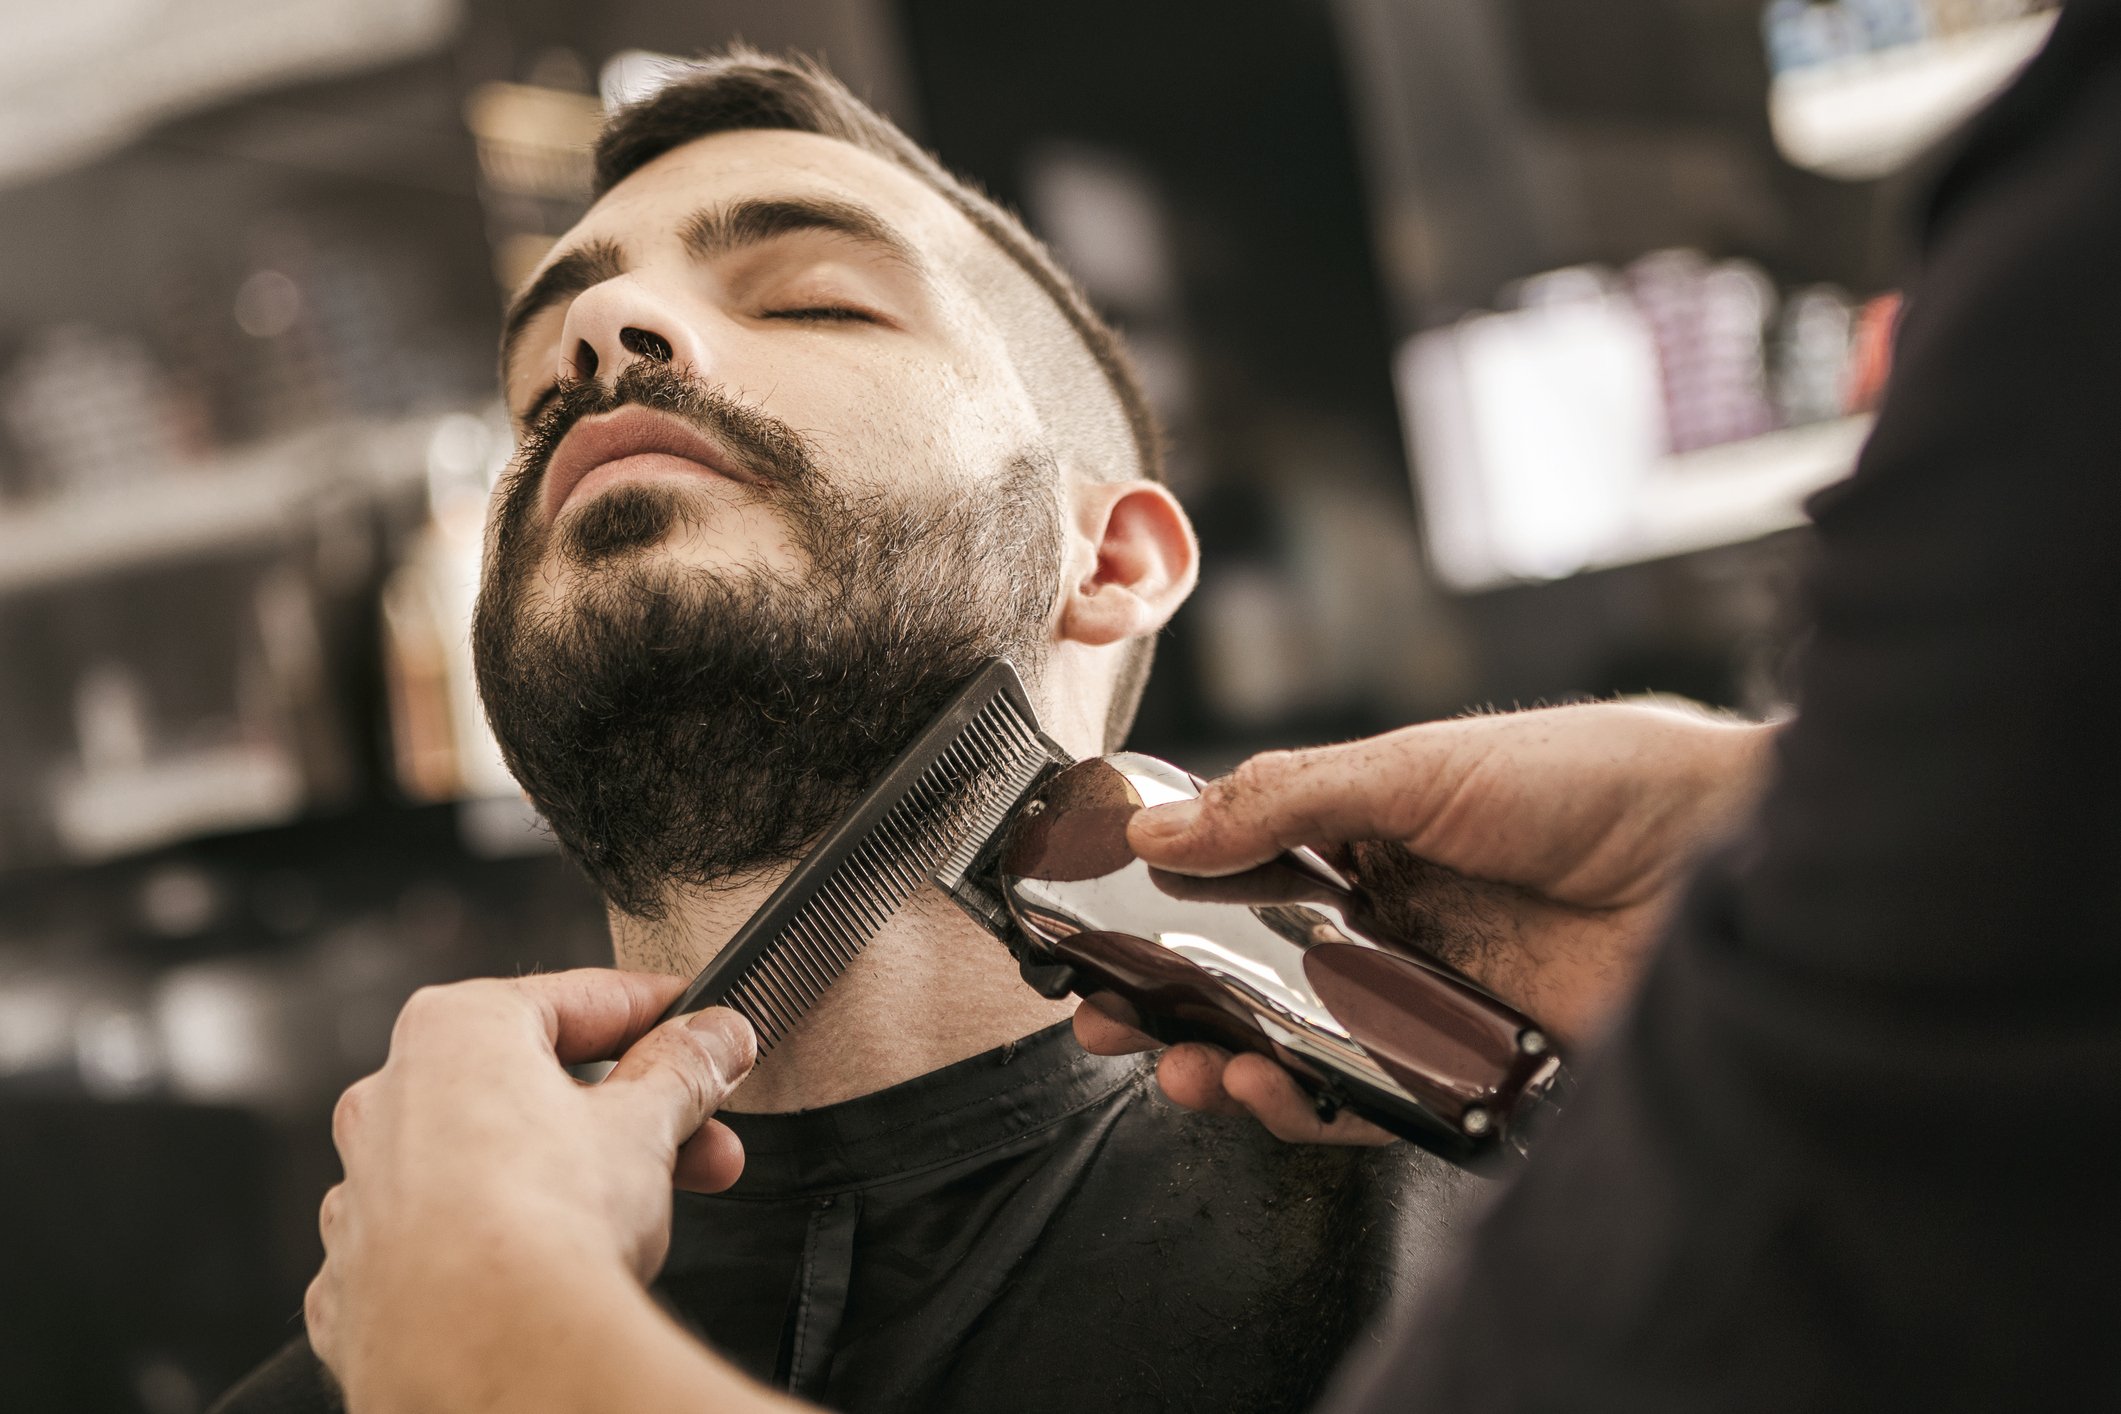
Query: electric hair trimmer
x=1287 y=959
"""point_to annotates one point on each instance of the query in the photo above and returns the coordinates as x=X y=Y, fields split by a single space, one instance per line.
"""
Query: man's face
x=778 y=490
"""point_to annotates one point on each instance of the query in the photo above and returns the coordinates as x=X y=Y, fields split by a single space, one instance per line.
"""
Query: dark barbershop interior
x=1499 y=346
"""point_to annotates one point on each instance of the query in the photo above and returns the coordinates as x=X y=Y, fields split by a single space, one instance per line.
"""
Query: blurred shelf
x=1730 y=494
x=1867 y=117
x=76 y=82
x=210 y=791
x=247 y=498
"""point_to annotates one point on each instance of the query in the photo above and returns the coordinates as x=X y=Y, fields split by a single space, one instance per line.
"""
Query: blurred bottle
x=1708 y=320
x=205 y=699
x=1812 y=345
x=91 y=411
x=1533 y=430
x=441 y=745
x=1802 y=34
x=74 y=1026
x=1889 y=24
x=204 y=351
x=1871 y=359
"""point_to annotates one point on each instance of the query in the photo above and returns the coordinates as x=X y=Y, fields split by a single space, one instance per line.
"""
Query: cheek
x=915 y=424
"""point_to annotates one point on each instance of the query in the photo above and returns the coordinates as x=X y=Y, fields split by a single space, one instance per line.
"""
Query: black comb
x=928 y=815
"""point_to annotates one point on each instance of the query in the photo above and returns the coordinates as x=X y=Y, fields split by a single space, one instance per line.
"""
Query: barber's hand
x=477 y=1168
x=1538 y=852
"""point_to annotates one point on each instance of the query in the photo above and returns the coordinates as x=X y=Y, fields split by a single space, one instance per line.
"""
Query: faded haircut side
x=1074 y=366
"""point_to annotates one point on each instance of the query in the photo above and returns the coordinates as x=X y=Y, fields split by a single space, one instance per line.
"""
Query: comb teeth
x=927 y=818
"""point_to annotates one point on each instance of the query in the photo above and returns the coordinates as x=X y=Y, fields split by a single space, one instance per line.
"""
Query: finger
x=593 y=1013
x=710 y=1160
x=1381 y=788
x=1272 y=1095
x=1106 y=1025
x=1191 y=1074
x=318 y=1308
x=331 y=1212
x=680 y=1072
x=347 y=1112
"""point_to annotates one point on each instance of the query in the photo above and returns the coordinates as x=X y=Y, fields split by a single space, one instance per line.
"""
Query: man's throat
x=932 y=988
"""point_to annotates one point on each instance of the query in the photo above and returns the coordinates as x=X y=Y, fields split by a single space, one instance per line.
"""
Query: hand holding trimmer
x=1286 y=959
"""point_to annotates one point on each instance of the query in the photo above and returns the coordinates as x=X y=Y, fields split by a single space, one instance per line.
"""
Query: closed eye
x=826 y=313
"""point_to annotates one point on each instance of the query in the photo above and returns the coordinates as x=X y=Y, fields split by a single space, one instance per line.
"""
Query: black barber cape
x=1033 y=1229
x=1853 y=1148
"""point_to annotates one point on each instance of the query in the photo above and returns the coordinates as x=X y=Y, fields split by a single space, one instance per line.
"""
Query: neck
x=931 y=988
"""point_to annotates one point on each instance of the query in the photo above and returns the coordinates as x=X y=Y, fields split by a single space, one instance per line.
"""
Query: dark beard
x=682 y=726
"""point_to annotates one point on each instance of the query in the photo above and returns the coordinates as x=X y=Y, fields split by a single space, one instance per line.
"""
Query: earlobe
x=1141 y=563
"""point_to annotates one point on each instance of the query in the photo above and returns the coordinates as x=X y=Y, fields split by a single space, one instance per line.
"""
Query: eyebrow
x=718 y=230
x=708 y=233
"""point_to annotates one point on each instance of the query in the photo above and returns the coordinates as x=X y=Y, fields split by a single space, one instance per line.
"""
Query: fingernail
x=1170 y=820
x=728 y=1036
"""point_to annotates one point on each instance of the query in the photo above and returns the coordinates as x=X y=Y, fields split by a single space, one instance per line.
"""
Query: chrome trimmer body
x=1287 y=959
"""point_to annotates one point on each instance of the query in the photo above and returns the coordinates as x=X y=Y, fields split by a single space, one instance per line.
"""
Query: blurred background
x=1500 y=341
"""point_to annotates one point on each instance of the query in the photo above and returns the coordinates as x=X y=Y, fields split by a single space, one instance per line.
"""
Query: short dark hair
x=743 y=89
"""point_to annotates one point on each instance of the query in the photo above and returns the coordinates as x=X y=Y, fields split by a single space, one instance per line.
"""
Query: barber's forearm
x=541 y=1333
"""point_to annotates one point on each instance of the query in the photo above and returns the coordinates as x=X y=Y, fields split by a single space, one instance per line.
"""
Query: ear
x=1134 y=563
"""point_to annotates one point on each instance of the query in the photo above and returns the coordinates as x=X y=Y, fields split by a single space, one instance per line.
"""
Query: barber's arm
x=1539 y=852
x=490 y=1246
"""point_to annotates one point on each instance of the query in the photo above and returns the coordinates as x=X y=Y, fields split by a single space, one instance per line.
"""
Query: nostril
x=585 y=360
x=645 y=344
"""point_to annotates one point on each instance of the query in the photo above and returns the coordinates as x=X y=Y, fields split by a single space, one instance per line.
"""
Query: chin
x=658 y=523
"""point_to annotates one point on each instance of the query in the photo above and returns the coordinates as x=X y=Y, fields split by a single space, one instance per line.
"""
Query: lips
x=640 y=437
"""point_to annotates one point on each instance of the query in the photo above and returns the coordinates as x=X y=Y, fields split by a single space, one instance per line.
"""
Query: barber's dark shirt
x=1853 y=1149
x=1034 y=1229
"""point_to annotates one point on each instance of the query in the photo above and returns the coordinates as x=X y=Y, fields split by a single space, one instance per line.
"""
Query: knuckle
x=346 y=1114
x=1259 y=775
x=682 y=1064
x=428 y=999
x=419 y=1011
x=747 y=1046
x=702 y=1094
x=439 y=1007
x=729 y=1044
x=698 y=1070
x=316 y=1309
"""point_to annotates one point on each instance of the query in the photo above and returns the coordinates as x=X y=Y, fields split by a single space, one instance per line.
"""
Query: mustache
x=768 y=448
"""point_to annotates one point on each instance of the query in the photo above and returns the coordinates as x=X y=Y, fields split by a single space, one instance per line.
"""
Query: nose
x=619 y=321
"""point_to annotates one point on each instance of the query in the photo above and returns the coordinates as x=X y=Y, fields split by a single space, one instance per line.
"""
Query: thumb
x=1384 y=787
x=679 y=1074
